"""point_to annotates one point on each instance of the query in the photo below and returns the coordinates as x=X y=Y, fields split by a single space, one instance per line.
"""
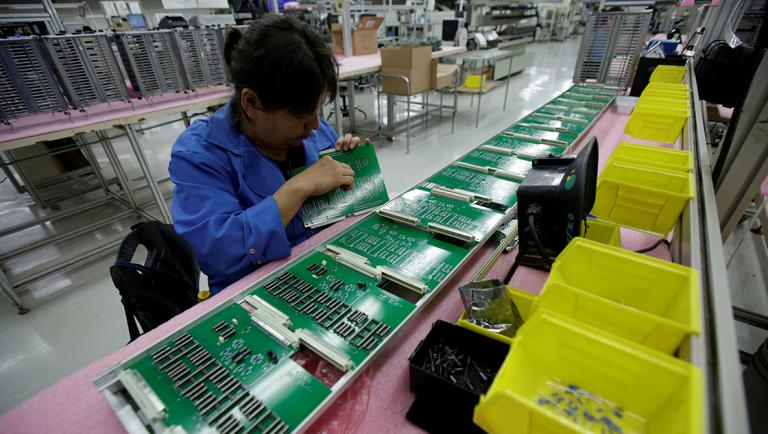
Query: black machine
x=173 y=22
x=553 y=202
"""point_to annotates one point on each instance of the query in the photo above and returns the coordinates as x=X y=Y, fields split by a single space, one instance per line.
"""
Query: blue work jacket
x=223 y=204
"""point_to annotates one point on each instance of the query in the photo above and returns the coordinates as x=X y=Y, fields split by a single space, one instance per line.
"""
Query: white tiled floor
x=77 y=317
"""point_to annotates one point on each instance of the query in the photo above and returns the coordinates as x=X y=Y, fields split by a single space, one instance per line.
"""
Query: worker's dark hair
x=283 y=61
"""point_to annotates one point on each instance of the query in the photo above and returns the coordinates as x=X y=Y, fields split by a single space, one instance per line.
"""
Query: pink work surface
x=45 y=123
x=74 y=405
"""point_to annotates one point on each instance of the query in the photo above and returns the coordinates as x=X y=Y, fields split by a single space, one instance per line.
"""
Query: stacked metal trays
x=27 y=83
x=151 y=62
x=86 y=68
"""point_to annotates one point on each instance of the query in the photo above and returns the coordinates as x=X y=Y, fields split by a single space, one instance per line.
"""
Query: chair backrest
x=165 y=285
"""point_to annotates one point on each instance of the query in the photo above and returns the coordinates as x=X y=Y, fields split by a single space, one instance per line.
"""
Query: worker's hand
x=348 y=143
x=325 y=175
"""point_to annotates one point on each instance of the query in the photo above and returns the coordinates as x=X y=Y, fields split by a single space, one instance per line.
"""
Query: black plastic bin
x=442 y=405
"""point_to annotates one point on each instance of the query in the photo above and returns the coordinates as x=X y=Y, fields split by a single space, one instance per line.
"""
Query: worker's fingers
x=347 y=171
x=355 y=141
x=348 y=180
x=367 y=140
x=344 y=143
x=343 y=165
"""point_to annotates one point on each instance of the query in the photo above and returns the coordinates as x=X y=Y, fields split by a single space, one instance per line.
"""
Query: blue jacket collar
x=223 y=132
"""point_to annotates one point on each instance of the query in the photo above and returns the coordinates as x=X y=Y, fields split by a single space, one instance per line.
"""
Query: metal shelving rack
x=86 y=68
x=151 y=62
x=27 y=82
x=611 y=46
x=202 y=54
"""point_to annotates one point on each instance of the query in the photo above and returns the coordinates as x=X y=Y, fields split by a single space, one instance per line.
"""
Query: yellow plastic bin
x=656 y=122
x=475 y=81
x=603 y=232
x=667 y=74
x=637 y=389
x=667 y=86
x=642 y=198
x=644 y=299
x=653 y=157
x=523 y=300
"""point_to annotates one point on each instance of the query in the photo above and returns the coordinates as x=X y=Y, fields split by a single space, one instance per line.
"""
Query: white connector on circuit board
x=451 y=194
x=324 y=349
x=279 y=332
x=268 y=310
x=399 y=217
x=474 y=167
x=145 y=398
x=451 y=232
x=497 y=149
x=546 y=128
x=412 y=284
x=354 y=261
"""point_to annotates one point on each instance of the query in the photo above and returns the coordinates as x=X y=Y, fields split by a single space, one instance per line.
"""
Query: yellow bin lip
x=694 y=301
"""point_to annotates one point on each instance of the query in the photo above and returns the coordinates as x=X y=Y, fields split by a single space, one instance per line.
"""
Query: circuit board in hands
x=367 y=193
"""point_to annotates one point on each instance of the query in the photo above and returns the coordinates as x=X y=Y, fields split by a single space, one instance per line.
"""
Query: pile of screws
x=457 y=368
x=582 y=407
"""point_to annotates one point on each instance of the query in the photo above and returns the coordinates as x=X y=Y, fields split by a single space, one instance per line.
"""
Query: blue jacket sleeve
x=229 y=241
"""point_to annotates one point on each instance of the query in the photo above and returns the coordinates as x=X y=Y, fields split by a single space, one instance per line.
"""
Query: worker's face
x=279 y=128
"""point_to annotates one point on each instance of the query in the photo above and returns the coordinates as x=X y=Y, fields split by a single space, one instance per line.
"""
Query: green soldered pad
x=367 y=193
x=516 y=167
x=497 y=190
x=410 y=251
x=467 y=219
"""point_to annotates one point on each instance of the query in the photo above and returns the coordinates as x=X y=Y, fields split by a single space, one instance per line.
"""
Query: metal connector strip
x=497 y=149
x=451 y=194
x=324 y=349
x=451 y=232
x=412 y=284
x=399 y=217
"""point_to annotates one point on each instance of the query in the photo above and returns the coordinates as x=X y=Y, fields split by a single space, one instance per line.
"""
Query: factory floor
x=77 y=317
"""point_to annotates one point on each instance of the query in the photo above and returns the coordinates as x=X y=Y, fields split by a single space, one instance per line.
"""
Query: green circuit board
x=587 y=114
x=237 y=368
x=524 y=149
x=594 y=89
x=464 y=220
x=367 y=193
x=547 y=137
x=340 y=305
x=417 y=254
x=510 y=166
x=562 y=123
x=203 y=373
x=484 y=187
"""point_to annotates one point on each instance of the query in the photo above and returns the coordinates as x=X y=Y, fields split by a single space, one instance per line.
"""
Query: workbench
x=379 y=399
x=126 y=116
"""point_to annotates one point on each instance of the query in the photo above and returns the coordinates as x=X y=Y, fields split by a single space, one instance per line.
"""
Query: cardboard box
x=442 y=74
x=365 y=36
x=410 y=61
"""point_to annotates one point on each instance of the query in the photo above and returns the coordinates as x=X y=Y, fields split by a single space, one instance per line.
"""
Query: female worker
x=233 y=201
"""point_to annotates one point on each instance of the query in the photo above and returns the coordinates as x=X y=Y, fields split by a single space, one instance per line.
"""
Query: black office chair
x=165 y=285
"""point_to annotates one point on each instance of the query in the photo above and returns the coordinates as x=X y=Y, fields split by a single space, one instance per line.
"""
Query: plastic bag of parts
x=489 y=305
x=346 y=414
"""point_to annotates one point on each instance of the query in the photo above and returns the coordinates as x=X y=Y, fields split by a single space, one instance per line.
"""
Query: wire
x=4 y=179
x=536 y=240
x=654 y=245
